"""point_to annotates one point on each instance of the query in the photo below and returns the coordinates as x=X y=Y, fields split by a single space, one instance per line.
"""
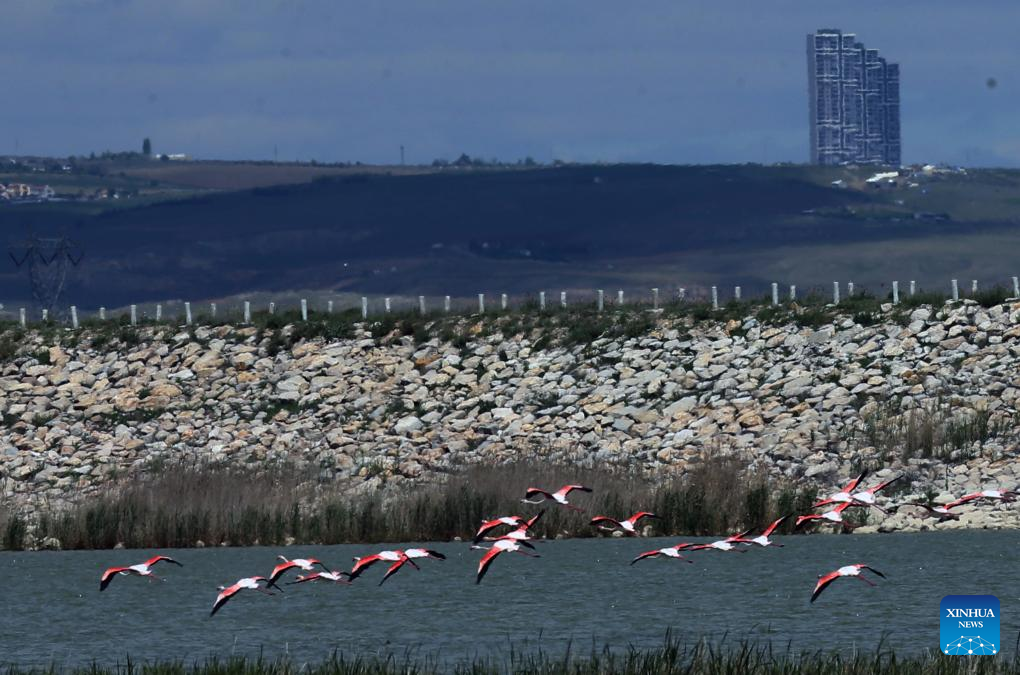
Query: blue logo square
x=969 y=625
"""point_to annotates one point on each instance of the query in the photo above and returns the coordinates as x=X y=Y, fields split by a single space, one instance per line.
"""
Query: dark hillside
x=385 y=227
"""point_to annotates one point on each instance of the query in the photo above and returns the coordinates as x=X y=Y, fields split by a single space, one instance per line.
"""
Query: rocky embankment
x=934 y=394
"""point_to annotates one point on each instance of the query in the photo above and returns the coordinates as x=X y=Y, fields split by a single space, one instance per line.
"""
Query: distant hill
x=461 y=232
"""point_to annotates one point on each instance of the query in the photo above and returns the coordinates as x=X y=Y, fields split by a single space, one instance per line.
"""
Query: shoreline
x=797 y=397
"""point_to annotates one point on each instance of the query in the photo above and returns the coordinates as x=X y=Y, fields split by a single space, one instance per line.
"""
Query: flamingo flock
x=517 y=536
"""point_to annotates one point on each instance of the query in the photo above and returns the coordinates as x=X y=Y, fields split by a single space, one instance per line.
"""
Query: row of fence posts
x=504 y=302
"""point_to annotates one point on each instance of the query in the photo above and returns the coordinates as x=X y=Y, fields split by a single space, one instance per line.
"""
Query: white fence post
x=956 y=290
x=329 y=307
x=736 y=293
x=849 y=289
x=45 y=315
x=541 y=300
x=715 y=298
x=619 y=297
x=835 y=292
x=793 y=292
x=386 y=305
x=655 y=298
x=973 y=286
x=187 y=313
x=102 y=314
x=134 y=314
x=481 y=303
x=895 y=292
x=421 y=305
x=913 y=288
x=21 y=317
x=159 y=312
x=563 y=299
x=775 y=293
x=446 y=304
x=503 y=301
x=364 y=307
x=212 y=309
x=601 y=299
x=304 y=309
x=247 y=311
x=74 y=317
x=1016 y=287
x=272 y=308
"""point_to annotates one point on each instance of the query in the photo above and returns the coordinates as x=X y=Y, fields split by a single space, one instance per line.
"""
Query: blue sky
x=587 y=80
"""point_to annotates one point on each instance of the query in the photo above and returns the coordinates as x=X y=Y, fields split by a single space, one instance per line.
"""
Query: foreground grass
x=671 y=659
x=182 y=506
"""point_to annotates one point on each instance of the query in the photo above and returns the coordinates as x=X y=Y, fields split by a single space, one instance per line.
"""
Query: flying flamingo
x=1001 y=495
x=628 y=526
x=844 y=495
x=847 y=571
x=500 y=546
x=763 y=538
x=227 y=592
x=142 y=569
x=423 y=553
x=560 y=496
x=728 y=544
x=512 y=521
x=306 y=564
x=833 y=516
x=520 y=534
x=861 y=497
x=936 y=511
x=397 y=558
x=336 y=576
x=669 y=552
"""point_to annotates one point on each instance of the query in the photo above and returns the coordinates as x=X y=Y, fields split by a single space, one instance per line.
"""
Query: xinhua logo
x=969 y=624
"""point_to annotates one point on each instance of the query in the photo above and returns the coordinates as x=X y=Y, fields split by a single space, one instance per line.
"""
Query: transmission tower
x=47 y=260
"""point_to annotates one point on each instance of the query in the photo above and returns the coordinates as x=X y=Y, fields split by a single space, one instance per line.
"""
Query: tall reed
x=184 y=505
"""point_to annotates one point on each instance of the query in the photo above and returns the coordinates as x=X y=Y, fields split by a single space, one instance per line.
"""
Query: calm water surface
x=579 y=591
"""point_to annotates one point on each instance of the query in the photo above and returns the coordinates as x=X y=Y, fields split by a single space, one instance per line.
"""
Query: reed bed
x=183 y=506
x=673 y=658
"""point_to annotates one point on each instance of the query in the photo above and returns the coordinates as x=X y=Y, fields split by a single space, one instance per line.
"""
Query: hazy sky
x=658 y=80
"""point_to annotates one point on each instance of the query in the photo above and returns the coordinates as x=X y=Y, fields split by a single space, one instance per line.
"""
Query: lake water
x=579 y=591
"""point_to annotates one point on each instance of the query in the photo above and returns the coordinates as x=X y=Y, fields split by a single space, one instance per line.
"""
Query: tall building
x=854 y=101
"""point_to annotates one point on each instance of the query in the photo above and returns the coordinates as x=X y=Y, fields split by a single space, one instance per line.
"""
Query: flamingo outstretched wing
x=361 y=564
x=485 y=562
x=567 y=489
x=884 y=484
x=225 y=594
x=490 y=525
x=772 y=528
x=852 y=485
x=161 y=558
x=823 y=583
x=598 y=520
x=395 y=567
x=108 y=576
x=279 y=570
x=871 y=569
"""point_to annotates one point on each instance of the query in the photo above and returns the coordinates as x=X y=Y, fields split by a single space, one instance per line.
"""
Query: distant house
x=19 y=190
